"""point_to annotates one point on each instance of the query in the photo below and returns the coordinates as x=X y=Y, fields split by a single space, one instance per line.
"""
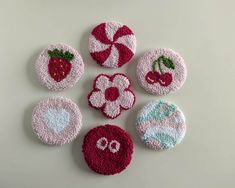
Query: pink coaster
x=59 y=67
x=161 y=71
x=107 y=149
x=111 y=94
x=112 y=44
x=56 y=121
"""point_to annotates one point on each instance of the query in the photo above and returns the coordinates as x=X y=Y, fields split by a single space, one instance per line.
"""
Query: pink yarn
x=44 y=77
x=45 y=133
x=178 y=74
x=111 y=94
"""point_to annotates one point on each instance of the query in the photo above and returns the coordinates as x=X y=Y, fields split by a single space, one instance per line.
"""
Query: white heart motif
x=56 y=119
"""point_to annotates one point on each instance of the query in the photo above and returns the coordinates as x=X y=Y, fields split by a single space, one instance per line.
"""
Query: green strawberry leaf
x=60 y=54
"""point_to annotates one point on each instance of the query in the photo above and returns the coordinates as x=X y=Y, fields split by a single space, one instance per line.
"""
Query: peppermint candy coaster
x=56 y=121
x=107 y=149
x=161 y=71
x=111 y=94
x=112 y=44
x=161 y=125
x=59 y=67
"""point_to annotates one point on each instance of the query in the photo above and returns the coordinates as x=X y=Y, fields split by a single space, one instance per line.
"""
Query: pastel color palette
x=161 y=125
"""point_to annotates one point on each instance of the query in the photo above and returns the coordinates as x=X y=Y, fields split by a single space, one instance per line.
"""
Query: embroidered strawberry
x=164 y=79
x=59 y=65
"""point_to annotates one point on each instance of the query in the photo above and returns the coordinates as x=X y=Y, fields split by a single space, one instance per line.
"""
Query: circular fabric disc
x=161 y=125
x=107 y=149
x=161 y=71
x=112 y=44
x=59 y=67
x=111 y=94
x=56 y=121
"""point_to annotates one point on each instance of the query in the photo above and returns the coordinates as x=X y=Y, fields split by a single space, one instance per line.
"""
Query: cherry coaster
x=161 y=71
x=112 y=44
x=107 y=149
x=111 y=94
x=161 y=125
x=56 y=120
x=59 y=67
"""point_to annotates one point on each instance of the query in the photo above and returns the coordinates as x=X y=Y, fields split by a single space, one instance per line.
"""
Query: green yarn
x=61 y=54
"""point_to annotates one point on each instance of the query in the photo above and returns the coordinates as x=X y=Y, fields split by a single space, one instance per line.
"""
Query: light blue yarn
x=152 y=112
x=56 y=119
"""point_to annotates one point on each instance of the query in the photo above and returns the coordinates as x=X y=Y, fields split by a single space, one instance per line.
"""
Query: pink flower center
x=111 y=93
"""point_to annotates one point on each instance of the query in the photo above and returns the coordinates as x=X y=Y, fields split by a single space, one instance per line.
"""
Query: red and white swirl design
x=112 y=44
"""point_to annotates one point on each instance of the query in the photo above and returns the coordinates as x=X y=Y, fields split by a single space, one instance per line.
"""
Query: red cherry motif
x=59 y=65
x=164 y=79
x=152 y=77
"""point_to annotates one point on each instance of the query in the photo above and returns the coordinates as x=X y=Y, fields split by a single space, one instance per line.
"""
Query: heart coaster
x=59 y=67
x=161 y=71
x=161 y=125
x=107 y=149
x=111 y=94
x=112 y=44
x=56 y=121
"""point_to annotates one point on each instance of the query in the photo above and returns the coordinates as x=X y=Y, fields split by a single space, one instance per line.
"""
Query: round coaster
x=112 y=44
x=107 y=149
x=161 y=125
x=161 y=71
x=111 y=94
x=59 y=67
x=56 y=121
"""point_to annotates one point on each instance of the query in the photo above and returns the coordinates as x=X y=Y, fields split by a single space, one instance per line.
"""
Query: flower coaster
x=112 y=44
x=56 y=121
x=59 y=67
x=111 y=94
x=107 y=149
x=161 y=71
x=161 y=125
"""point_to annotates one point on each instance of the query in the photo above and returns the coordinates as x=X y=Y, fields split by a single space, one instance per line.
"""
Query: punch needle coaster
x=112 y=44
x=161 y=125
x=111 y=94
x=56 y=121
x=107 y=149
x=161 y=71
x=59 y=67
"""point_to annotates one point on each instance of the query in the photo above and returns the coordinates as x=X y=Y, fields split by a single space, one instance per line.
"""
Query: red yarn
x=103 y=161
x=59 y=68
x=125 y=54
x=111 y=93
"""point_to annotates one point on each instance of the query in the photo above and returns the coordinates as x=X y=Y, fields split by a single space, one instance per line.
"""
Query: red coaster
x=107 y=149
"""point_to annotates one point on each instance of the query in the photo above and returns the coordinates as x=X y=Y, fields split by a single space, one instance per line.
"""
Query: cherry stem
x=155 y=63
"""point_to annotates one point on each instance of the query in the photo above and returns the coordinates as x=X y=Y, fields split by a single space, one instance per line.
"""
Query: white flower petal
x=96 y=46
x=129 y=41
x=127 y=99
x=102 y=82
x=111 y=28
x=112 y=60
x=121 y=82
x=112 y=109
x=97 y=99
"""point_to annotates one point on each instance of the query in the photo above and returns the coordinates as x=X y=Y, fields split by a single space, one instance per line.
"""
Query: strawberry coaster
x=112 y=44
x=161 y=125
x=56 y=121
x=107 y=149
x=161 y=71
x=59 y=67
x=111 y=94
